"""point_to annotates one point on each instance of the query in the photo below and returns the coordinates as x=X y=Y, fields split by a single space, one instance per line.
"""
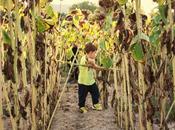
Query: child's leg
x=82 y=93
x=94 y=93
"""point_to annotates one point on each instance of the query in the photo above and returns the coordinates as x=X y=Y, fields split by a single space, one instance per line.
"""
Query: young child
x=86 y=79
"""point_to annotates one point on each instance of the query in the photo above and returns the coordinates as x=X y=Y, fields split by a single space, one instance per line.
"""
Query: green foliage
x=84 y=5
x=154 y=37
x=108 y=22
x=52 y=17
x=44 y=24
x=142 y=36
x=41 y=25
x=122 y=2
x=156 y=20
x=136 y=47
x=106 y=61
x=69 y=53
x=137 y=52
x=102 y=44
x=76 y=20
x=6 y=37
x=162 y=9
x=49 y=11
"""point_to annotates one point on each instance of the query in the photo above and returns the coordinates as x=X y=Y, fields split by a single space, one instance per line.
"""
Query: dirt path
x=69 y=118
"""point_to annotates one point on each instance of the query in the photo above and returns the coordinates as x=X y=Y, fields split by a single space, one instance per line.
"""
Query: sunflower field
x=137 y=50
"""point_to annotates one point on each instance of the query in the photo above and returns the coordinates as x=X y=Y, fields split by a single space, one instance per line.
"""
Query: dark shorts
x=83 y=91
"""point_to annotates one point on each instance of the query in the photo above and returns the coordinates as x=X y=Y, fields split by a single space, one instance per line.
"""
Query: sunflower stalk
x=16 y=86
x=121 y=99
x=15 y=54
x=116 y=87
x=140 y=66
x=1 y=82
x=162 y=82
x=171 y=22
x=126 y=62
x=9 y=106
x=31 y=46
x=125 y=96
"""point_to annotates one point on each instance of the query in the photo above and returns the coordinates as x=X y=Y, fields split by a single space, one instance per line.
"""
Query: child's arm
x=91 y=63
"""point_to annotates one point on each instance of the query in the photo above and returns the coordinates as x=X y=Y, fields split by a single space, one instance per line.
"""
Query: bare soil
x=68 y=116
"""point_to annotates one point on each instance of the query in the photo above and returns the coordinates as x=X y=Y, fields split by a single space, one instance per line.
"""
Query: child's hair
x=89 y=47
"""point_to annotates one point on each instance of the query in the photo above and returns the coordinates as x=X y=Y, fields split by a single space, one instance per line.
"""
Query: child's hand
x=91 y=62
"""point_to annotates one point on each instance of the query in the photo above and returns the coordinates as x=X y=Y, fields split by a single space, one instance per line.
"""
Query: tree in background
x=84 y=5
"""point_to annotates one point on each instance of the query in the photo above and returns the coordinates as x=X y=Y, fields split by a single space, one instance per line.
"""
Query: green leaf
x=76 y=20
x=69 y=53
x=156 y=20
x=135 y=39
x=162 y=9
x=136 y=47
x=154 y=38
x=6 y=37
x=52 y=17
x=41 y=25
x=106 y=61
x=108 y=22
x=137 y=52
x=102 y=44
x=49 y=11
x=143 y=36
x=122 y=2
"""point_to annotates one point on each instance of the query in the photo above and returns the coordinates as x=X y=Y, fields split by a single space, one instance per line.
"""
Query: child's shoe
x=97 y=107
x=83 y=110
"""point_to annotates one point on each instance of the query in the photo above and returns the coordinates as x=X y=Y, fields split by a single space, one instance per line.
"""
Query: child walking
x=86 y=79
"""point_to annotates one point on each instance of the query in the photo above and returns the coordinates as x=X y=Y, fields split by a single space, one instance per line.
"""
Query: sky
x=147 y=5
